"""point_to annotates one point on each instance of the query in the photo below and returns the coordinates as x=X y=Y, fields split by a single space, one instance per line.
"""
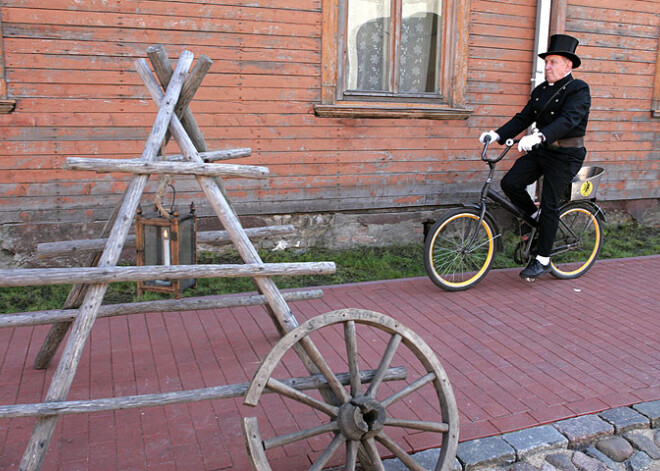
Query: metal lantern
x=166 y=238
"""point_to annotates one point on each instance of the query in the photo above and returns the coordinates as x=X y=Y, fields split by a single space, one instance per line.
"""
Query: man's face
x=556 y=67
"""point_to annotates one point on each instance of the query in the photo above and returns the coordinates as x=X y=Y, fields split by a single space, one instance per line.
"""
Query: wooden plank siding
x=68 y=65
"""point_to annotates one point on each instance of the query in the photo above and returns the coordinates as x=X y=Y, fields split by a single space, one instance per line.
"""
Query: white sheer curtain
x=368 y=43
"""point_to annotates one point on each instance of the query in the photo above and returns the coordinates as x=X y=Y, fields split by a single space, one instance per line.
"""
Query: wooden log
x=281 y=315
x=165 y=305
x=68 y=247
x=214 y=156
x=113 y=274
x=141 y=167
x=60 y=385
x=163 y=69
x=163 y=399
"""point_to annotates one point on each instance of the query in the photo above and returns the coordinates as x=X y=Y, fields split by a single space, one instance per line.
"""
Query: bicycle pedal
x=529 y=280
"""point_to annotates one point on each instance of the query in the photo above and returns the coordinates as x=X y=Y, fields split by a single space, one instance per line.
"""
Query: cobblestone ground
x=620 y=439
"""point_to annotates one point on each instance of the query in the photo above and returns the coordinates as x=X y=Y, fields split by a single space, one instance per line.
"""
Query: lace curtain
x=419 y=37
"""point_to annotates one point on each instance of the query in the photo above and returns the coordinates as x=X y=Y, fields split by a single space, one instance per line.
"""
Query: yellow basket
x=585 y=184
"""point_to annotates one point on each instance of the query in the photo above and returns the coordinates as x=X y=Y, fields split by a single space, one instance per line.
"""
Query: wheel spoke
x=411 y=388
x=399 y=452
x=439 y=427
x=350 y=339
x=334 y=384
x=300 y=435
x=351 y=455
x=288 y=391
x=328 y=452
x=384 y=364
x=370 y=446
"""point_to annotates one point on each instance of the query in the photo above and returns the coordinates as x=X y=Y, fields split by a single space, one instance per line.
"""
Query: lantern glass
x=166 y=241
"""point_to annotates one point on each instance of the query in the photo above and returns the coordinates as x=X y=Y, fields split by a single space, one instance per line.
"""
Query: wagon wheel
x=365 y=419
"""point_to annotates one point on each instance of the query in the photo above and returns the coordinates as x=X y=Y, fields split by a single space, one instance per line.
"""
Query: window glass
x=393 y=46
x=420 y=26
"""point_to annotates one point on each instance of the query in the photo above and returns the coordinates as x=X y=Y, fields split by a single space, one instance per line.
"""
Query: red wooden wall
x=68 y=64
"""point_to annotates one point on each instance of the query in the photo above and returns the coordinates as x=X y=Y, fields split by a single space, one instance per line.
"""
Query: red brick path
x=517 y=355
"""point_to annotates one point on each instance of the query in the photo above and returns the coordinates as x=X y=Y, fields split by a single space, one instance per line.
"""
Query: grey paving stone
x=523 y=467
x=427 y=459
x=651 y=410
x=616 y=448
x=625 y=419
x=656 y=437
x=561 y=462
x=548 y=467
x=640 y=461
x=535 y=439
x=643 y=443
x=584 y=429
x=485 y=451
x=585 y=463
x=597 y=454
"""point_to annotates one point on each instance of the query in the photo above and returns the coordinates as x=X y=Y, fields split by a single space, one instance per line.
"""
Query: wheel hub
x=361 y=418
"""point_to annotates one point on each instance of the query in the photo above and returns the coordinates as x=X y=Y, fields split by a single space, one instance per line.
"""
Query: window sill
x=390 y=110
x=7 y=106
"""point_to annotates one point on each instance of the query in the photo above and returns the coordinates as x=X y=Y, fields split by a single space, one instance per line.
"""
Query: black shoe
x=534 y=269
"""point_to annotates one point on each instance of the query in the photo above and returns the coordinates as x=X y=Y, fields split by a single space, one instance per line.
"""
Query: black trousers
x=557 y=167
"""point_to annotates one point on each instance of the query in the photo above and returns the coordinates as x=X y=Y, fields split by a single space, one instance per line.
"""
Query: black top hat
x=563 y=45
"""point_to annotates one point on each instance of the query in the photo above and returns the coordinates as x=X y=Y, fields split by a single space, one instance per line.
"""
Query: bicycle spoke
x=291 y=393
x=328 y=452
x=384 y=364
x=300 y=435
x=350 y=338
x=438 y=427
x=411 y=388
x=399 y=452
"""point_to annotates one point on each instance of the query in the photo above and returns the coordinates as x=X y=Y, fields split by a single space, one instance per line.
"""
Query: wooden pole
x=114 y=274
x=66 y=369
x=164 y=305
x=162 y=399
x=141 y=167
x=70 y=247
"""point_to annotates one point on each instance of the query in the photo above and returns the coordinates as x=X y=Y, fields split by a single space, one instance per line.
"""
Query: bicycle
x=460 y=247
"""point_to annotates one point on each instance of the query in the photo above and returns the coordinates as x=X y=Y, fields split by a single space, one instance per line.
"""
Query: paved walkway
x=517 y=354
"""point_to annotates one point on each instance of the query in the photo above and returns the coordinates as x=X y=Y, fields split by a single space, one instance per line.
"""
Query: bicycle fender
x=598 y=211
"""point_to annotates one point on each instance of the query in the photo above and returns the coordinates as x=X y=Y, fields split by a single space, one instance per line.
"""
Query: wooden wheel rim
x=412 y=341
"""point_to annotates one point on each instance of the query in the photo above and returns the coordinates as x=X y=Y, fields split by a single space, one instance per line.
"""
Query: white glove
x=494 y=137
x=529 y=141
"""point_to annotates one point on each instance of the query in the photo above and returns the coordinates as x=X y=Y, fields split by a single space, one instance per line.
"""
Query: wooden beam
x=194 y=395
x=141 y=167
x=164 y=305
x=60 y=385
x=70 y=247
x=215 y=155
x=112 y=274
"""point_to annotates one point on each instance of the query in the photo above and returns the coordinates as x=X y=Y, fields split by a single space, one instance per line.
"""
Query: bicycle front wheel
x=577 y=243
x=459 y=250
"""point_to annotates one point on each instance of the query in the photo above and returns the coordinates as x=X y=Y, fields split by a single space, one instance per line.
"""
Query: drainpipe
x=542 y=35
x=543 y=8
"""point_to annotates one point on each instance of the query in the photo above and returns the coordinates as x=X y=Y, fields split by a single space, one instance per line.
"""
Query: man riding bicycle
x=558 y=110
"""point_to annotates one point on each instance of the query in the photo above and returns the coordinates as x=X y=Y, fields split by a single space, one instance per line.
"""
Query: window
x=394 y=58
x=6 y=106
x=655 y=104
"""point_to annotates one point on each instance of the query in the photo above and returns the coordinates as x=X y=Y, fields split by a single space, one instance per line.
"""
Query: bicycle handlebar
x=508 y=143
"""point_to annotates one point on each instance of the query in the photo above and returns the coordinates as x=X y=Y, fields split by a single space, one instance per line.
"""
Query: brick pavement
x=517 y=355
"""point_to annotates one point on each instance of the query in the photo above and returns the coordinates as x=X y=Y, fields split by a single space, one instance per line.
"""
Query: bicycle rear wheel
x=459 y=250
x=577 y=243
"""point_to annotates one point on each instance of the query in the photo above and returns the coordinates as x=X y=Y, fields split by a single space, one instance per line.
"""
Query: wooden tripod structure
x=84 y=303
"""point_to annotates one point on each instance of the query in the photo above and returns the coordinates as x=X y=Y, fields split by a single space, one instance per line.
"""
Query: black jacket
x=565 y=116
